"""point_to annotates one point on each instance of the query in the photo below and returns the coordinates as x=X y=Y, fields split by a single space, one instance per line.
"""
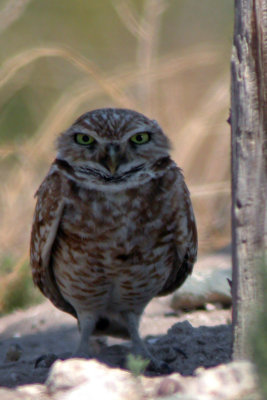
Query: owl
x=113 y=225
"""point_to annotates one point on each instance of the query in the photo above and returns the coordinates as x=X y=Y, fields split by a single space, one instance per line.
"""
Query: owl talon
x=164 y=368
x=82 y=354
x=45 y=360
x=160 y=367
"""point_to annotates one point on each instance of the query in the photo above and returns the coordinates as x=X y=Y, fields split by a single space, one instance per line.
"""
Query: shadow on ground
x=184 y=348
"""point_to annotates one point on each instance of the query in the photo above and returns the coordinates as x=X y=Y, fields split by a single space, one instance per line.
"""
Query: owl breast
x=113 y=251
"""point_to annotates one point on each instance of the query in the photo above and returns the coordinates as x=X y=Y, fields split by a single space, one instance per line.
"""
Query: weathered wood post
x=249 y=164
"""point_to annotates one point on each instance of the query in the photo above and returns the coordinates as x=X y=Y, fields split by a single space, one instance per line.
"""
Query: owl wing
x=48 y=213
x=185 y=240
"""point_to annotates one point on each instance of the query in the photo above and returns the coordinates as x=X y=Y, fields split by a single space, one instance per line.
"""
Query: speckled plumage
x=113 y=226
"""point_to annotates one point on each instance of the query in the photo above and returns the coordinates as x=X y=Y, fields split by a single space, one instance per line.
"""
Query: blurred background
x=169 y=59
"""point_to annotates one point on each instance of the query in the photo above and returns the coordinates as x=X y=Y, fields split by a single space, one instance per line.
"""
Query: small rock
x=210 y=307
x=169 y=386
x=226 y=381
x=202 y=288
x=35 y=391
x=9 y=394
x=89 y=379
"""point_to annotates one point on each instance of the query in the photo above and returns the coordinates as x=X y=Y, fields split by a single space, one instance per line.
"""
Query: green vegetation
x=17 y=290
x=136 y=364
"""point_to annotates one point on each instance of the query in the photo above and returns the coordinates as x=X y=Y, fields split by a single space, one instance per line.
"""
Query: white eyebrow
x=81 y=129
x=144 y=128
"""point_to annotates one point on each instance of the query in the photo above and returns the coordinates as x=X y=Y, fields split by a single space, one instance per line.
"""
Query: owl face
x=111 y=145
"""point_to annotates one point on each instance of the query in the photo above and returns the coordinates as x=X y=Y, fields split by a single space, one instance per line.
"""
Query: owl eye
x=83 y=139
x=140 y=138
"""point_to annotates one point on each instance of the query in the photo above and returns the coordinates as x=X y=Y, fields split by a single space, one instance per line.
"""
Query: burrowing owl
x=113 y=225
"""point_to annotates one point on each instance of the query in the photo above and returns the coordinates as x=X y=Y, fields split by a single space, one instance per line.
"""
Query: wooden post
x=249 y=164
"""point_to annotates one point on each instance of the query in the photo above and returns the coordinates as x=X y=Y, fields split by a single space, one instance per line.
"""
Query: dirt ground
x=185 y=341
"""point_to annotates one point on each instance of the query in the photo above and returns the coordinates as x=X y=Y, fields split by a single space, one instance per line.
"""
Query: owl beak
x=112 y=157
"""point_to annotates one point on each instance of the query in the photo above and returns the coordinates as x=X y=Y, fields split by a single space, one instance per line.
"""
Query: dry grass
x=157 y=87
x=11 y=11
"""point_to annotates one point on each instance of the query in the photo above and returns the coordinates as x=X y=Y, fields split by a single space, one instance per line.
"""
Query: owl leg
x=139 y=346
x=87 y=325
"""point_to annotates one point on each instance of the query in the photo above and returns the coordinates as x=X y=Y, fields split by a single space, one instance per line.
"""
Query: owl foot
x=46 y=360
x=160 y=367
x=83 y=350
x=140 y=348
x=80 y=353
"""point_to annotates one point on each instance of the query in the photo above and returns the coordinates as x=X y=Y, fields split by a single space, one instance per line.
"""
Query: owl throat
x=111 y=178
x=94 y=176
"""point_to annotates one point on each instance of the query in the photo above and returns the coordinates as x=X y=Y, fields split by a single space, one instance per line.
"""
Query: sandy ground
x=185 y=341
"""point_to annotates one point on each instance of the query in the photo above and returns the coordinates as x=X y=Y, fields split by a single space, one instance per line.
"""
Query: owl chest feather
x=121 y=225
x=124 y=239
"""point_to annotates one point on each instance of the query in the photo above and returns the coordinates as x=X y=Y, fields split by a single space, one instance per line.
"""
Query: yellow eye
x=140 y=138
x=83 y=139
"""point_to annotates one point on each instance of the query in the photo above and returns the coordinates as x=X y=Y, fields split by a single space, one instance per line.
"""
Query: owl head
x=112 y=144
